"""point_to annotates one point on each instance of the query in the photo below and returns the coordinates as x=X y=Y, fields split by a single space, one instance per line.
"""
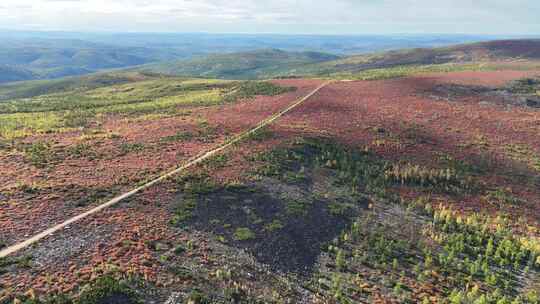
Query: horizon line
x=263 y=33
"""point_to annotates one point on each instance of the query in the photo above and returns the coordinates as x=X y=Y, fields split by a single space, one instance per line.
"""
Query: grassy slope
x=57 y=105
x=40 y=87
x=78 y=105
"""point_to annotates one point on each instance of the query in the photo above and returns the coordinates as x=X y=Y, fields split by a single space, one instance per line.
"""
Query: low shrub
x=243 y=234
x=39 y=154
x=250 y=89
x=107 y=289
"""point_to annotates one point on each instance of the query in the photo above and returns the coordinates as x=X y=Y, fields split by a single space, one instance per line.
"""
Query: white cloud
x=346 y=16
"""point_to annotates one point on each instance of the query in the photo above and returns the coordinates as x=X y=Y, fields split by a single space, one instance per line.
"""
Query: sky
x=276 y=16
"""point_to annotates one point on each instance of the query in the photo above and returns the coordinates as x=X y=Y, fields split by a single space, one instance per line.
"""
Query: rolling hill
x=27 y=89
x=48 y=55
x=502 y=50
x=263 y=64
x=243 y=65
x=271 y=63
x=45 y=63
x=9 y=74
x=26 y=59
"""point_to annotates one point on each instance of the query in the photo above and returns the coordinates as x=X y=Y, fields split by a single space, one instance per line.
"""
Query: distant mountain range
x=48 y=55
x=35 y=58
x=275 y=63
x=27 y=59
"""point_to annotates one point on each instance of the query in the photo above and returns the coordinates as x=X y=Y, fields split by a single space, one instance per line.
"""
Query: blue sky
x=276 y=16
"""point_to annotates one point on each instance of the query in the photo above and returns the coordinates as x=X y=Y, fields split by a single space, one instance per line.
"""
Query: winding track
x=195 y=160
